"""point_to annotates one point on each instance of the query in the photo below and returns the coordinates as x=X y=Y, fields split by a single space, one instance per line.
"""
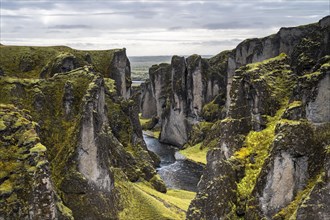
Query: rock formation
x=273 y=144
x=180 y=91
x=90 y=134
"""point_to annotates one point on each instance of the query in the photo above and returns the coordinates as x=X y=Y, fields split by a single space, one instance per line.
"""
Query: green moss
x=38 y=148
x=141 y=201
x=39 y=59
x=110 y=85
x=295 y=104
x=143 y=121
x=41 y=163
x=290 y=122
x=29 y=136
x=153 y=133
x=195 y=153
x=211 y=111
x=259 y=65
x=2 y=125
x=6 y=187
x=257 y=143
x=20 y=122
x=199 y=131
x=327 y=149
x=64 y=210
x=277 y=75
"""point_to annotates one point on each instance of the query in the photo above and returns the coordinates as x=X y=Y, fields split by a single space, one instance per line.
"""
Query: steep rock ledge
x=276 y=132
x=90 y=131
x=26 y=188
x=44 y=62
x=288 y=41
x=180 y=91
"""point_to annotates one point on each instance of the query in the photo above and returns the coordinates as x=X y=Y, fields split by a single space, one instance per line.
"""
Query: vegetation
x=195 y=153
x=255 y=152
x=31 y=62
x=141 y=201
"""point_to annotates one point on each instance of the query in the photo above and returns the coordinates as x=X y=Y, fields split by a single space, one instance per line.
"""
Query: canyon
x=78 y=141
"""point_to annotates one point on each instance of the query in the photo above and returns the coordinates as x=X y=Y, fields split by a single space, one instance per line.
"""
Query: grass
x=195 y=153
x=152 y=133
x=142 y=202
x=179 y=198
x=143 y=121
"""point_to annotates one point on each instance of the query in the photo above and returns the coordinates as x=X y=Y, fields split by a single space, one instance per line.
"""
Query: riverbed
x=175 y=170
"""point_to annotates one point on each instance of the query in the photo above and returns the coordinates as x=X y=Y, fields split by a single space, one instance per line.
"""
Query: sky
x=151 y=27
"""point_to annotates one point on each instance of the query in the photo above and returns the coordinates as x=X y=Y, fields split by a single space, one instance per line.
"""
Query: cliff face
x=271 y=155
x=90 y=134
x=44 y=62
x=25 y=178
x=180 y=91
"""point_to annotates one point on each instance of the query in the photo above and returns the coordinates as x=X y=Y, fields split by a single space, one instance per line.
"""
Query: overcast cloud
x=151 y=27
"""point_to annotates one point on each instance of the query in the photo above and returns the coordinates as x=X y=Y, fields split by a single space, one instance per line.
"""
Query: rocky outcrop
x=288 y=41
x=120 y=71
x=26 y=188
x=45 y=62
x=160 y=80
x=317 y=110
x=274 y=136
x=93 y=140
x=180 y=91
x=148 y=102
x=317 y=204
x=95 y=170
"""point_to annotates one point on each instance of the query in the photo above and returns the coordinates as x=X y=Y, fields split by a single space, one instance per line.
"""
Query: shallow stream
x=177 y=172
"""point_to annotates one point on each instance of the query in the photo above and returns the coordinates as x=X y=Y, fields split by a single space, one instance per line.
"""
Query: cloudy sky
x=151 y=27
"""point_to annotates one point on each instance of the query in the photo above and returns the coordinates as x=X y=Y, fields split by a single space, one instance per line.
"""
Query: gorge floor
x=176 y=171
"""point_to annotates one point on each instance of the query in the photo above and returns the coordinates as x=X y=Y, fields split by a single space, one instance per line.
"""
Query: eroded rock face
x=180 y=91
x=121 y=72
x=89 y=129
x=274 y=136
x=148 y=101
x=318 y=110
x=160 y=80
x=317 y=204
x=26 y=188
x=285 y=41
x=89 y=153
x=219 y=178
x=68 y=98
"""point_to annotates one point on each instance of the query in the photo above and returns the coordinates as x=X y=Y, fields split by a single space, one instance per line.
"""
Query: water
x=176 y=173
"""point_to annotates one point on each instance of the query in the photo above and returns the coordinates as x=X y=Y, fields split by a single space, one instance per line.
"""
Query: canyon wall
x=179 y=91
x=272 y=148
x=71 y=141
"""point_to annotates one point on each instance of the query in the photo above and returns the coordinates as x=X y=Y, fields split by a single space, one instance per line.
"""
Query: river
x=177 y=172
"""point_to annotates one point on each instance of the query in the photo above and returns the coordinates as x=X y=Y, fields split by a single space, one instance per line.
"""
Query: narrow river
x=176 y=172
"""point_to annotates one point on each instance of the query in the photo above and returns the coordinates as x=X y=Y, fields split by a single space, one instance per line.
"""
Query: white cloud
x=151 y=27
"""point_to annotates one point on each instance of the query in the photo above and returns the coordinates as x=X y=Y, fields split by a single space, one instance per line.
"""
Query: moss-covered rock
x=87 y=129
x=26 y=186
